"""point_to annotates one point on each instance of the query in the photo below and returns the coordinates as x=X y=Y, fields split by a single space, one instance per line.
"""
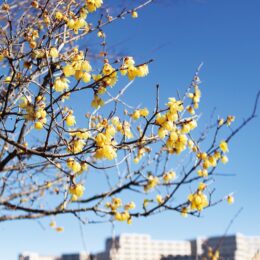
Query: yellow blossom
x=136 y=114
x=159 y=199
x=58 y=15
x=230 y=199
x=230 y=119
x=142 y=70
x=223 y=146
x=224 y=159
x=134 y=14
x=184 y=211
x=168 y=176
x=70 y=120
x=61 y=84
x=54 y=52
x=52 y=224
x=132 y=72
x=68 y=70
x=77 y=190
x=151 y=183
x=198 y=201
x=92 y=5
x=38 y=125
x=129 y=206
x=59 y=229
x=86 y=77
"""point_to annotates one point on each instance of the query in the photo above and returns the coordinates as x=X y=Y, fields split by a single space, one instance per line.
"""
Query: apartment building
x=142 y=247
x=234 y=247
x=35 y=256
x=136 y=246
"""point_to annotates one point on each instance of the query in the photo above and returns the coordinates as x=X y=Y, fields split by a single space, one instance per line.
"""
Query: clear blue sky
x=225 y=35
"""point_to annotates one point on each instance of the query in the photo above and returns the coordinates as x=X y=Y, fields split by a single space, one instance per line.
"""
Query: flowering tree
x=49 y=151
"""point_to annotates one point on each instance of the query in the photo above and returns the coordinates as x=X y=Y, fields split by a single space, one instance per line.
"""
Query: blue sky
x=179 y=35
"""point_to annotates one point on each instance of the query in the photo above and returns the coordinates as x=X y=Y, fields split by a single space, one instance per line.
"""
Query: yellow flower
x=77 y=190
x=162 y=132
x=191 y=110
x=68 y=70
x=202 y=186
x=92 y=5
x=221 y=122
x=107 y=151
x=230 y=199
x=168 y=176
x=97 y=102
x=85 y=65
x=52 y=224
x=136 y=115
x=84 y=166
x=129 y=61
x=86 y=77
x=74 y=165
x=70 y=120
x=1 y=56
x=107 y=69
x=81 y=133
x=118 y=216
x=54 y=53
x=61 y=84
x=129 y=206
x=38 y=125
x=134 y=14
x=184 y=211
x=159 y=199
x=223 y=146
x=76 y=145
x=224 y=159
x=59 y=229
x=203 y=173
x=144 y=112
x=132 y=72
x=151 y=183
x=198 y=201
x=230 y=119
x=116 y=203
x=142 y=70
x=33 y=44
x=58 y=15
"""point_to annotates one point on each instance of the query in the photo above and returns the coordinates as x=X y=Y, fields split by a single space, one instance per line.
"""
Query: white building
x=35 y=256
x=142 y=247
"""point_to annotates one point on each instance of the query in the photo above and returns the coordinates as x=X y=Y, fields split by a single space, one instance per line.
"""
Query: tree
x=48 y=150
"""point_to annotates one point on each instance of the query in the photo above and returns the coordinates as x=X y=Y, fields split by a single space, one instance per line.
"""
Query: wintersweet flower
x=134 y=14
x=223 y=146
x=77 y=190
x=198 y=200
x=92 y=5
x=54 y=52
x=159 y=199
x=70 y=120
x=68 y=70
x=61 y=84
x=230 y=199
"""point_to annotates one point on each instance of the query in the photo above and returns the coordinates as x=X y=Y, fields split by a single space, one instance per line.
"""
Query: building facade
x=142 y=247
x=35 y=256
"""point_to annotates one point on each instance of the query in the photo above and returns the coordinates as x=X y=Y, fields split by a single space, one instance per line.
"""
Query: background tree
x=54 y=157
